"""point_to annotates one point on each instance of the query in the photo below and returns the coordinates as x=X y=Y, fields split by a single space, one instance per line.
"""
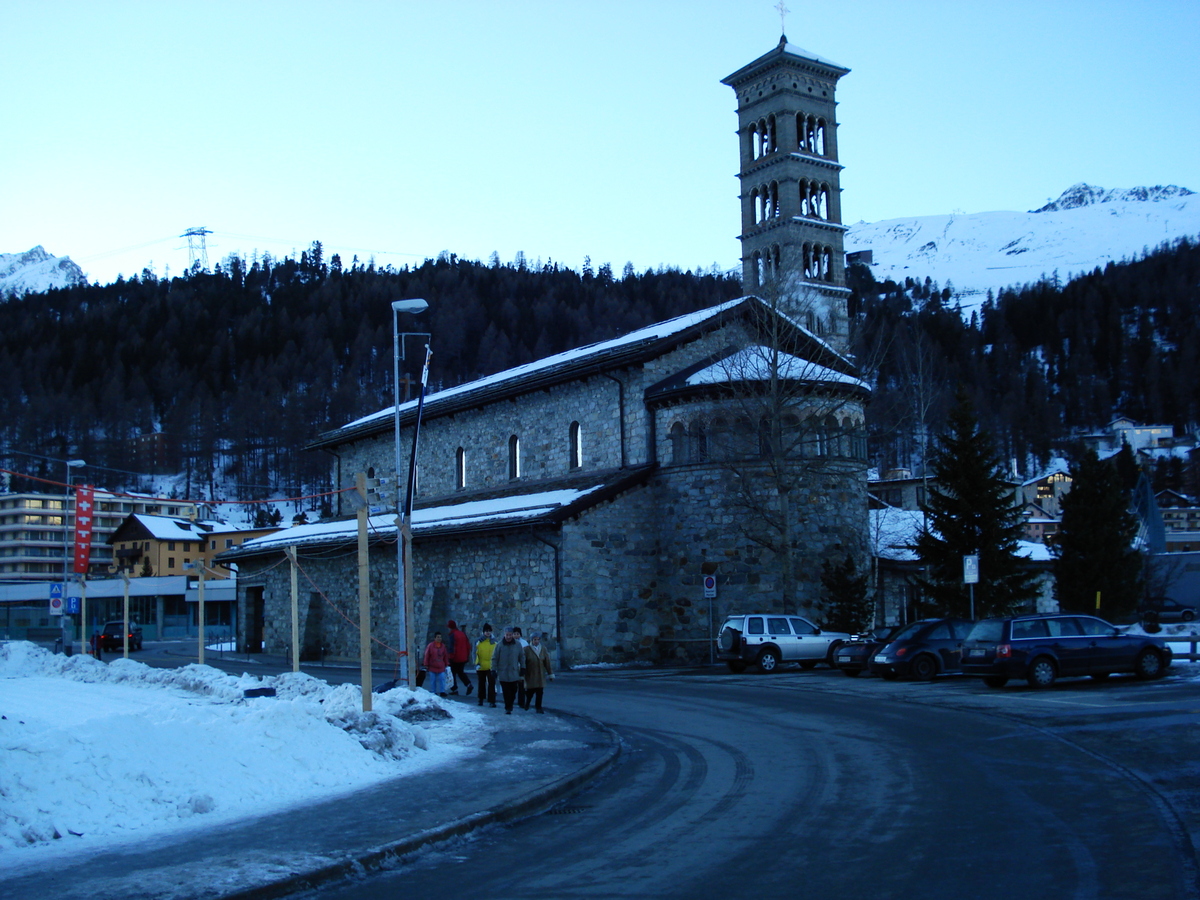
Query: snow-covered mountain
x=1084 y=228
x=36 y=271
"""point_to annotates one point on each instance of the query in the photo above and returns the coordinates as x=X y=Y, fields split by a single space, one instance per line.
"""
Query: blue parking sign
x=72 y=605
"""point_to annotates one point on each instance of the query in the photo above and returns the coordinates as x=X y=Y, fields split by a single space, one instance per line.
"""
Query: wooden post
x=291 y=555
x=85 y=637
x=200 y=613
x=364 y=595
x=125 y=607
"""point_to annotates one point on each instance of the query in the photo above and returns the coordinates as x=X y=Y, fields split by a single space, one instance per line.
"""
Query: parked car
x=922 y=649
x=1041 y=648
x=767 y=640
x=854 y=657
x=112 y=636
x=1164 y=609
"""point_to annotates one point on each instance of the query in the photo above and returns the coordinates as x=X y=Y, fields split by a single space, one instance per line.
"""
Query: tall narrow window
x=678 y=436
x=514 y=457
x=576 y=445
x=460 y=468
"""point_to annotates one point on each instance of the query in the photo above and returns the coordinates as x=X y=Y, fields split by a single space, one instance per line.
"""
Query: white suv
x=766 y=640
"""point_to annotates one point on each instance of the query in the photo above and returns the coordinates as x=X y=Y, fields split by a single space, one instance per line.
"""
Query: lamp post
x=404 y=500
x=71 y=464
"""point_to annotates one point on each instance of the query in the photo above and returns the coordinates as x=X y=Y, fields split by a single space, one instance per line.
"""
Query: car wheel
x=768 y=661
x=995 y=681
x=1187 y=615
x=852 y=673
x=727 y=639
x=924 y=667
x=1148 y=665
x=832 y=654
x=736 y=666
x=1041 y=672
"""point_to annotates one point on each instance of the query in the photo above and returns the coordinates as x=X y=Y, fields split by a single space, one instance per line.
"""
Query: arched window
x=791 y=435
x=718 y=440
x=514 y=458
x=678 y=444
x=699 y=442
x=460 y=468
x=576 y=449
x=833 y=437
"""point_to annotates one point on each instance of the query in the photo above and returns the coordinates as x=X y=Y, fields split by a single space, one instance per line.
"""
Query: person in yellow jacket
x=484 y=651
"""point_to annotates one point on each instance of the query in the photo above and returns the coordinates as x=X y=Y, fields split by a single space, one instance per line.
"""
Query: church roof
x=783 y=52
x=636 y=346
x=544 y=503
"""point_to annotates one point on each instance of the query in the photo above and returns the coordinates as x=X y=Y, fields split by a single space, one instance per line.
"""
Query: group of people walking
x=521 y=667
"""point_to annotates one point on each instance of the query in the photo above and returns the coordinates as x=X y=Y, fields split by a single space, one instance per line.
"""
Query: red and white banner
x=84 y=501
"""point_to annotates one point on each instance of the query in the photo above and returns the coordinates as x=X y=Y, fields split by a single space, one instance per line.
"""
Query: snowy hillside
x=36 y=271
x=1084 y=228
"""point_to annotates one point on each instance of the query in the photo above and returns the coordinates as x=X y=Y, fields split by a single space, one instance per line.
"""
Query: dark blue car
x=922 y=650
x=1042 y=648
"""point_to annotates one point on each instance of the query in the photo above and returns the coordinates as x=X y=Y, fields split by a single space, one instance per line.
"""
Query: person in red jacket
x=460 y=651
x=436 y=660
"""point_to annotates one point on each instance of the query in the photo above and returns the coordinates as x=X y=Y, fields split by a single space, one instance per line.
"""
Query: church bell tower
x=790 y=187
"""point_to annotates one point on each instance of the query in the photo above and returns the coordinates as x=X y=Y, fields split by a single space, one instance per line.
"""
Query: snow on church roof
x=753 y=364
x=558 y=367
x=488 y=513
x=566 y=360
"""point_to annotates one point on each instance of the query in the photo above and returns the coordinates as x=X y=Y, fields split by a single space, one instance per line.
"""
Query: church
x=622 y=497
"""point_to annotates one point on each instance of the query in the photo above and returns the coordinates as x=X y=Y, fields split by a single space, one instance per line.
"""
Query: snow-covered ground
x=95 y=753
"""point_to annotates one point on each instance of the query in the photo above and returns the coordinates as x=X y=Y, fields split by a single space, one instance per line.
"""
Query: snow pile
x=1087 y=227
x=95 y=753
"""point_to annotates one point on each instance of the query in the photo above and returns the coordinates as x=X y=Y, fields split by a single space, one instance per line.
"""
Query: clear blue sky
x=559 y=128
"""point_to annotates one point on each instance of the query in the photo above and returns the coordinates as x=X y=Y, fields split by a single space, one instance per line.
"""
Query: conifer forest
x=239 y=368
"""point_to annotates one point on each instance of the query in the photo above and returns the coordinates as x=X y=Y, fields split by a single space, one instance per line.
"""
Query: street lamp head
x=413 y=306
x=76 y=463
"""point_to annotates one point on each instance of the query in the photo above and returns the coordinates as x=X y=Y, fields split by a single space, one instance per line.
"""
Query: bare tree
x=788 y=429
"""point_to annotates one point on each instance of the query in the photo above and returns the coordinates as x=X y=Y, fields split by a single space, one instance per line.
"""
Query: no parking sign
x=710 y=587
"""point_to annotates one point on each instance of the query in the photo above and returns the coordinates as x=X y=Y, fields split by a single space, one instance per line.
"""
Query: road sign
x=971 y=569
x=710 y=587
x=72 y=606
x=56 y=606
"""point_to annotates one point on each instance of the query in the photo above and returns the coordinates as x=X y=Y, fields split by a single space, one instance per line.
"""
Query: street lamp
x=404 y=500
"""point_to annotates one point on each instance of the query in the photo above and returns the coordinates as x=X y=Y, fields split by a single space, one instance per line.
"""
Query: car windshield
x=989 y=630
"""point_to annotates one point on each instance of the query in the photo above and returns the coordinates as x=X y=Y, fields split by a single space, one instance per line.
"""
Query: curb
x=366 y=861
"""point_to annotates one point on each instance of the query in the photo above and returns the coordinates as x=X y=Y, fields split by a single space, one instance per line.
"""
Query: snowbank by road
x=94 y=753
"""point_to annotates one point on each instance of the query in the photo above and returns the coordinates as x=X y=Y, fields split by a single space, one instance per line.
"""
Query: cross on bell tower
x=792 y=232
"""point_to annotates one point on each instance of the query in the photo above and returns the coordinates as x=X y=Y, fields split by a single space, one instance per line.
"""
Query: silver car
x=769 y=639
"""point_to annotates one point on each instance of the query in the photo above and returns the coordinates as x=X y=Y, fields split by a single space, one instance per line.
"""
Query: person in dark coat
x=537 y=671
x=460 y=652
x=508 y=660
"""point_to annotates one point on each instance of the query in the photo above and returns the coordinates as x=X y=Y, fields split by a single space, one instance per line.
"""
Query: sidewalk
x=529 y=764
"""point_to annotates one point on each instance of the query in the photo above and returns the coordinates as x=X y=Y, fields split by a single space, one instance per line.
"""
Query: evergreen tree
x=845 y=602
x=1094 y=552
x=971 y=511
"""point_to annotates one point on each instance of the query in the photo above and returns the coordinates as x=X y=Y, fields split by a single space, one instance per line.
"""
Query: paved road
x=809 y=783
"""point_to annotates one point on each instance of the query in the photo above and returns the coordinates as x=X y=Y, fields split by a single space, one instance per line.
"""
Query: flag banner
x=83 y=528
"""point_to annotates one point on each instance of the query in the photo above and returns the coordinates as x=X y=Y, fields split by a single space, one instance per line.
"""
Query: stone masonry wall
x=540 y=419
